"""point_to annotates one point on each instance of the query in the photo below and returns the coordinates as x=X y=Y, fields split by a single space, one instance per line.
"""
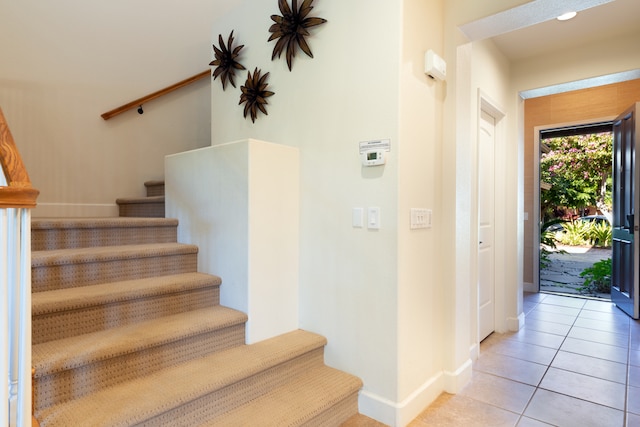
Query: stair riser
x=139 y=210
x=337 y=414
x=214 y=404
x=52 y=277
x=52 y=239
x=53 y=326
x=155 y=189
x=59 y=387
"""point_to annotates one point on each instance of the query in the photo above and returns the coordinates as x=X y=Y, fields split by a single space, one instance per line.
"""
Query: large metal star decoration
x=226 y=61
x=291 y=28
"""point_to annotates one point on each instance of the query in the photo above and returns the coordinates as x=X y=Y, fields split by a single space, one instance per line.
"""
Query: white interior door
x=486 y=226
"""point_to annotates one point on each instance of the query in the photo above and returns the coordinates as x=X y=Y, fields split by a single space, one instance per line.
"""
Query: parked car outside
x=597 y=219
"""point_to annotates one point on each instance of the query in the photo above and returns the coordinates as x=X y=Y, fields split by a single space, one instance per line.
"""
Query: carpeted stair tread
x=108 y=253
x=72 y=352
x=296 y=403
x=95 y=295
x=143 y=398
x=100 y=222
x=154 y=188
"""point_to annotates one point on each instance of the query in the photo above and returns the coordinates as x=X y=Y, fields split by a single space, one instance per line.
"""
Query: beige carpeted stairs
x=127 y=332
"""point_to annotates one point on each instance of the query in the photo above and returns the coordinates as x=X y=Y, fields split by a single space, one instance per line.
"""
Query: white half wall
x=239 y=202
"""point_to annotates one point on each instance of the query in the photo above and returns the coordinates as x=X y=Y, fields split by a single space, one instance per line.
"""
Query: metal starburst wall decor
x=226 y=61
x=291 y=28
x=254 y=94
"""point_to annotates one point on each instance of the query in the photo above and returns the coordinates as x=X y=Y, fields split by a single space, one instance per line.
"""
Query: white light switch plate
x=373 y=218
x=420 y=218
x=358 y=217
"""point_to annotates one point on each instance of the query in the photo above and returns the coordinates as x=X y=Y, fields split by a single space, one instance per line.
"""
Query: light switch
x=373 y=218
x=420 y=218
x=358 y=217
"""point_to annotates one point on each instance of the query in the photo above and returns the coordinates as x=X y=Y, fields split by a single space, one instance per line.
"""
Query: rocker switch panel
x=373 y=218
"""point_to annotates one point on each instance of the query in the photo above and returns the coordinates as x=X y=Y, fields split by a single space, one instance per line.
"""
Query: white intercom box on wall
x=434 y=66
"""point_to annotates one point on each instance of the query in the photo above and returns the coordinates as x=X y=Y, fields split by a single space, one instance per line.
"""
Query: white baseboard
x=514 y=324
x=455 y=381
x=529 y=287
x=402 y=413
x=474 y=352
x=70 y=210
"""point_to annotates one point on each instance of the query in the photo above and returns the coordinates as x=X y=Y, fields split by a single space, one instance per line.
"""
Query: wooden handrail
x=138 y=102
x=18 y=193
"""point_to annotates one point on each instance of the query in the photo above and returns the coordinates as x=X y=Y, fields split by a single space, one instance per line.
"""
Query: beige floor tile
x=611 y=338
x=596 y=390
x=564 y=301
x=497 y=391
x=634 y=376
x=633 y=420
x=633 y=400
x=574 y=351
x=592 y=366
x=594 y=349
x=530 y=422
x=610 y=316
x=602 y=326
x=603 y=306
x=455 y=411
x=548 y=327
x=538 y=338
x=565 y=411
x=550 y=308
x=551 y=317
x=524 y=351
x=510 y=368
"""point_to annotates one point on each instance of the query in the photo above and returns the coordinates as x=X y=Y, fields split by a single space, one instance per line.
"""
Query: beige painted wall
x=65 y=63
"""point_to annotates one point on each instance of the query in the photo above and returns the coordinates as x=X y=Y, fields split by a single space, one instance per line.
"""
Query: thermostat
x=373 y=153
x=373 y=158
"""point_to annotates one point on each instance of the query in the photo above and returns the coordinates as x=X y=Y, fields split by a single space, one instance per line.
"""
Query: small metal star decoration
x=254 y=94
x=226 y=63
x=291 y=29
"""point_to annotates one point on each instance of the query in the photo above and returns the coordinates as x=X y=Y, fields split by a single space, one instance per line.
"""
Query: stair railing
x=140 y=101
x=17 y=197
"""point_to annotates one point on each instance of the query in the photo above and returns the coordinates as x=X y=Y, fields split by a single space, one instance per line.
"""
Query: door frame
x=492 y=108
x=535 y=215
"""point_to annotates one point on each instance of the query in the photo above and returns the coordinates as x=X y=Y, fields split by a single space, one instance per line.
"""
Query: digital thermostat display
x=373 y=153
x=373 y=158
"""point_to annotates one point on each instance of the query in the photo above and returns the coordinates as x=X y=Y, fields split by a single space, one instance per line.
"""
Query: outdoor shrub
x=548 y=242
x=576 y=233
x=597 y=278
x=601 y=234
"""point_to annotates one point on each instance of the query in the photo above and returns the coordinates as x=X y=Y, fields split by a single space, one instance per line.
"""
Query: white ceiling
x=601 y=22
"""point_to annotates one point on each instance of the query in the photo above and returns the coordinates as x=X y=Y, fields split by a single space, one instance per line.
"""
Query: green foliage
x=579 y=171
x=597 y=279
x=547 y=242
x=576 y=233
x=582 y=233
x=601 y=234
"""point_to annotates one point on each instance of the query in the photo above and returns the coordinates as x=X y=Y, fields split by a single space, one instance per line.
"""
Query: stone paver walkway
x=563 y=272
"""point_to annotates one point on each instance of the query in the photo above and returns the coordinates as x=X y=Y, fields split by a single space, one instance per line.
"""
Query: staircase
x=127 y=332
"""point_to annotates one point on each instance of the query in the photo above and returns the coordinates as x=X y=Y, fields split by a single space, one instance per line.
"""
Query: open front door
x=625 y=277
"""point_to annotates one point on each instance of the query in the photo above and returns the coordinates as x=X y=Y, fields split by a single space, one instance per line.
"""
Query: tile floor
x=575 y=363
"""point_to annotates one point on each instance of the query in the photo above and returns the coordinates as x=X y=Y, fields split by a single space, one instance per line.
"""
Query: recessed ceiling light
x=567 y=16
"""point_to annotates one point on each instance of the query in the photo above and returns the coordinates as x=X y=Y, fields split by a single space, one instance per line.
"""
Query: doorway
x=490 y=286
x=575 y=200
